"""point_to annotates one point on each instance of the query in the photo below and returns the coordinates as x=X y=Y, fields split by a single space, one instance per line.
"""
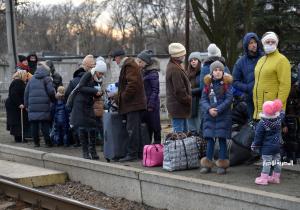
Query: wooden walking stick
x=22 y=126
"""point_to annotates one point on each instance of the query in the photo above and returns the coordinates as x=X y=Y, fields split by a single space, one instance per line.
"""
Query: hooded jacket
x=76 y=78
x=219 y=126
x=243 y=70
x=39 y=93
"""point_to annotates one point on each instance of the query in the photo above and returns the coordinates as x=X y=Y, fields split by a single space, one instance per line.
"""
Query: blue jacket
x=206 y=69
x=243 y=70
x=39 y=94
x=60 y=112
x=267 y=135
x=219 y=126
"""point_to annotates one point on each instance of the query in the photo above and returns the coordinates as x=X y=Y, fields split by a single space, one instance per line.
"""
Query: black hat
x=118 y=52
x=22 y=58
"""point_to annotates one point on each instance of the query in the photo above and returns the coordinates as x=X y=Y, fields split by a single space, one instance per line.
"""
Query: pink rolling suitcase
x=153 y=155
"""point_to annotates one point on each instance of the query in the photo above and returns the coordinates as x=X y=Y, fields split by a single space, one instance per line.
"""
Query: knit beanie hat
x=213 y=51
x=270 y=35
x=22 y=58
x=271 y=109
x=146 y=56
x=88 y=61
x=100 y=67
x=196 y=55
x=216 y=64
x=176 y=50
x=60 y=91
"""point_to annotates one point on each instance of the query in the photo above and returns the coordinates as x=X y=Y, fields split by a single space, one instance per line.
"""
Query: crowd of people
x=199 y=100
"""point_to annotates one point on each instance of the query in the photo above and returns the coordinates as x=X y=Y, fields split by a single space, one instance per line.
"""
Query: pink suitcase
x=153 y=155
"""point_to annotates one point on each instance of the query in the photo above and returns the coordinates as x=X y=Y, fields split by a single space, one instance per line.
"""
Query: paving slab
x=31 y=175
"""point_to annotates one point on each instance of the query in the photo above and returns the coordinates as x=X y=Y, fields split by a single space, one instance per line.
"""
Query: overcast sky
x=104 y=16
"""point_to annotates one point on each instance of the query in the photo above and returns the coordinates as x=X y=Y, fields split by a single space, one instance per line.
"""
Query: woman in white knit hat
x=83 y=116
x=272 y=75
x=178 y=88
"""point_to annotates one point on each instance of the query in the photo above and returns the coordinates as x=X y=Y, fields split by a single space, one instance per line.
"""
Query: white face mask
x=269 y=48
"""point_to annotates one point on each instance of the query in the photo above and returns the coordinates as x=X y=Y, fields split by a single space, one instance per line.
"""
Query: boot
x=262 y=179
x=222 y=166
x=92 y=148
x=84 y=144
x=206 y=165
x=36 y=142
x=18 y=139
x=274 y=179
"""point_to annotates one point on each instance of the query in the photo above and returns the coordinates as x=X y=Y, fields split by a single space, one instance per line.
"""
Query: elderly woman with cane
x=17 y=120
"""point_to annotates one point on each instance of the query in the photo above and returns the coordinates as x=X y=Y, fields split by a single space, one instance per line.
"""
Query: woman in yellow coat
x=272 y=75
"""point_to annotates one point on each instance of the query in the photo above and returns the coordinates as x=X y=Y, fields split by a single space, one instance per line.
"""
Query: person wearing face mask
x=193 y=72
x=216 y=103
x=272 y=75
x=243 y=70
x=83 y=115
x=178 y=89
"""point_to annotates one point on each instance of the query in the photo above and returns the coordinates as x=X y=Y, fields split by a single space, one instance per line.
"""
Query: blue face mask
x=269 y=48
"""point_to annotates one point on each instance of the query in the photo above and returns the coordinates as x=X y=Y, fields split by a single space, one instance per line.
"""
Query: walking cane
x=22 y=126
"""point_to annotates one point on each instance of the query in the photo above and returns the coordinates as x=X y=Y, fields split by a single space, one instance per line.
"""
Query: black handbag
x=245 y=136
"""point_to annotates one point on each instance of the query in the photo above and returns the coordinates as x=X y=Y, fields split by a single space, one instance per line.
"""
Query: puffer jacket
x=272 y=81
x=243 y=70
x=61 y=115
x=39 y=94
x=267 y=135
x=219 y=126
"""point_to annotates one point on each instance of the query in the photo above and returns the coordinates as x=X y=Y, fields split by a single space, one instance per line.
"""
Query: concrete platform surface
x=31 y=175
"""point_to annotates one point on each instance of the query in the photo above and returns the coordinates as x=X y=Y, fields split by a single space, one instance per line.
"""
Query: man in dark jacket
x=178 y=89
x=243 y=70
x=57 y=79
x=39 y=94
x=131 y=100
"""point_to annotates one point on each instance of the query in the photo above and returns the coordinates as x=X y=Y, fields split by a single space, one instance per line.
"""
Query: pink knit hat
x=271 y=109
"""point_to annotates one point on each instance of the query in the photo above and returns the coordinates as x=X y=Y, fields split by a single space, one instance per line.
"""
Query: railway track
x=41 y=199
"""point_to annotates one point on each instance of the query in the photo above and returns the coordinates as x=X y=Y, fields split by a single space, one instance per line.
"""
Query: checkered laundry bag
x=181 y=154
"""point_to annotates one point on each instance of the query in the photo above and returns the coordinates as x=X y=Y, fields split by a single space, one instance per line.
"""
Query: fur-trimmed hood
x=227 y=79
x=154 y=66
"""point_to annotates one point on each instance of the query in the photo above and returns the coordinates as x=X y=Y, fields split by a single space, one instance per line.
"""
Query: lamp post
x=187 y=31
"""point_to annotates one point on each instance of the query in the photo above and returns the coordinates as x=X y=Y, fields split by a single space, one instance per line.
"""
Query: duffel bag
x=153 y=155
x=181 y=154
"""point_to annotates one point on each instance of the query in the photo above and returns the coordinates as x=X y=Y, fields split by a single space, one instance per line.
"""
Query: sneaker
x=221 y=171
x=262 y=179
x=205 y=170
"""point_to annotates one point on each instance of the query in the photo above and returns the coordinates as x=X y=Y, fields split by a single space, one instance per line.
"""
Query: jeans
x=179 y=125
x=211 y=146
x=133 y=127
x=194 y=124
x=271 y=160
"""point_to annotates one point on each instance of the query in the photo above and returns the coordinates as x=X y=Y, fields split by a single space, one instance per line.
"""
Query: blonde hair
x=21 y=74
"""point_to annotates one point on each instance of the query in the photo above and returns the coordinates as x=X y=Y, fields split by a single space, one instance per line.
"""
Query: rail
x=41 y=199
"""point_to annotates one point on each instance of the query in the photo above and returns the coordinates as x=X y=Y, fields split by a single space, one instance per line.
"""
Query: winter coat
x=219 y=126
x=243 y=70
x=14 y=100
x=82 y=114
x=194 y=78
x=60 y=112
x=267 y=135
x=76 y=78
x=272 y=81
x=131 y=94
x=57 y=80
x=293 y=102
x=206 y=69
x=39 y=94
x=151 y=85
x=178 y=91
